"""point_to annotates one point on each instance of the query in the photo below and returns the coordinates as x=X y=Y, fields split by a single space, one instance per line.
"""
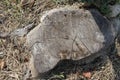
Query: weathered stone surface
x=68 y=33
x=22 y=31
x=115 y=10
x=116 y=24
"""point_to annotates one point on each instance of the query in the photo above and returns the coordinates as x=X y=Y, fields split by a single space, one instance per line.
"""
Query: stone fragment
x=115 y=10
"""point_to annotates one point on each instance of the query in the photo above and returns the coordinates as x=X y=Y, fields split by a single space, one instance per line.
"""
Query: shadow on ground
x=67 y=67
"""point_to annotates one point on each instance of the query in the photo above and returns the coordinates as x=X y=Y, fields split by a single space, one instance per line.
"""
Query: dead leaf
x=12 y=1
x=23 y=2
x=87 y=74
x=14 y=75
x=28 y=3
x=2 y=63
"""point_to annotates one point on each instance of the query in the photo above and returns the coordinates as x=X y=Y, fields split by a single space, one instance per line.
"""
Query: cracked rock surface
x=68 y=33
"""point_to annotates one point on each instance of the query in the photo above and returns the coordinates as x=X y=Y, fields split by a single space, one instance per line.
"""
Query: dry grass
x=14 y=55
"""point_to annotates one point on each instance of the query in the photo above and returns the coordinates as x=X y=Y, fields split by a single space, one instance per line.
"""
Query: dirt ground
x=14 y=54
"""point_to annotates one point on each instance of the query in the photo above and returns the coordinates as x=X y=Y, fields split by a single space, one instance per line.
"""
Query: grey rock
x=116 y=23
x=68 y=33
x=19 y=32
x=22 y=31
x=115 y=10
